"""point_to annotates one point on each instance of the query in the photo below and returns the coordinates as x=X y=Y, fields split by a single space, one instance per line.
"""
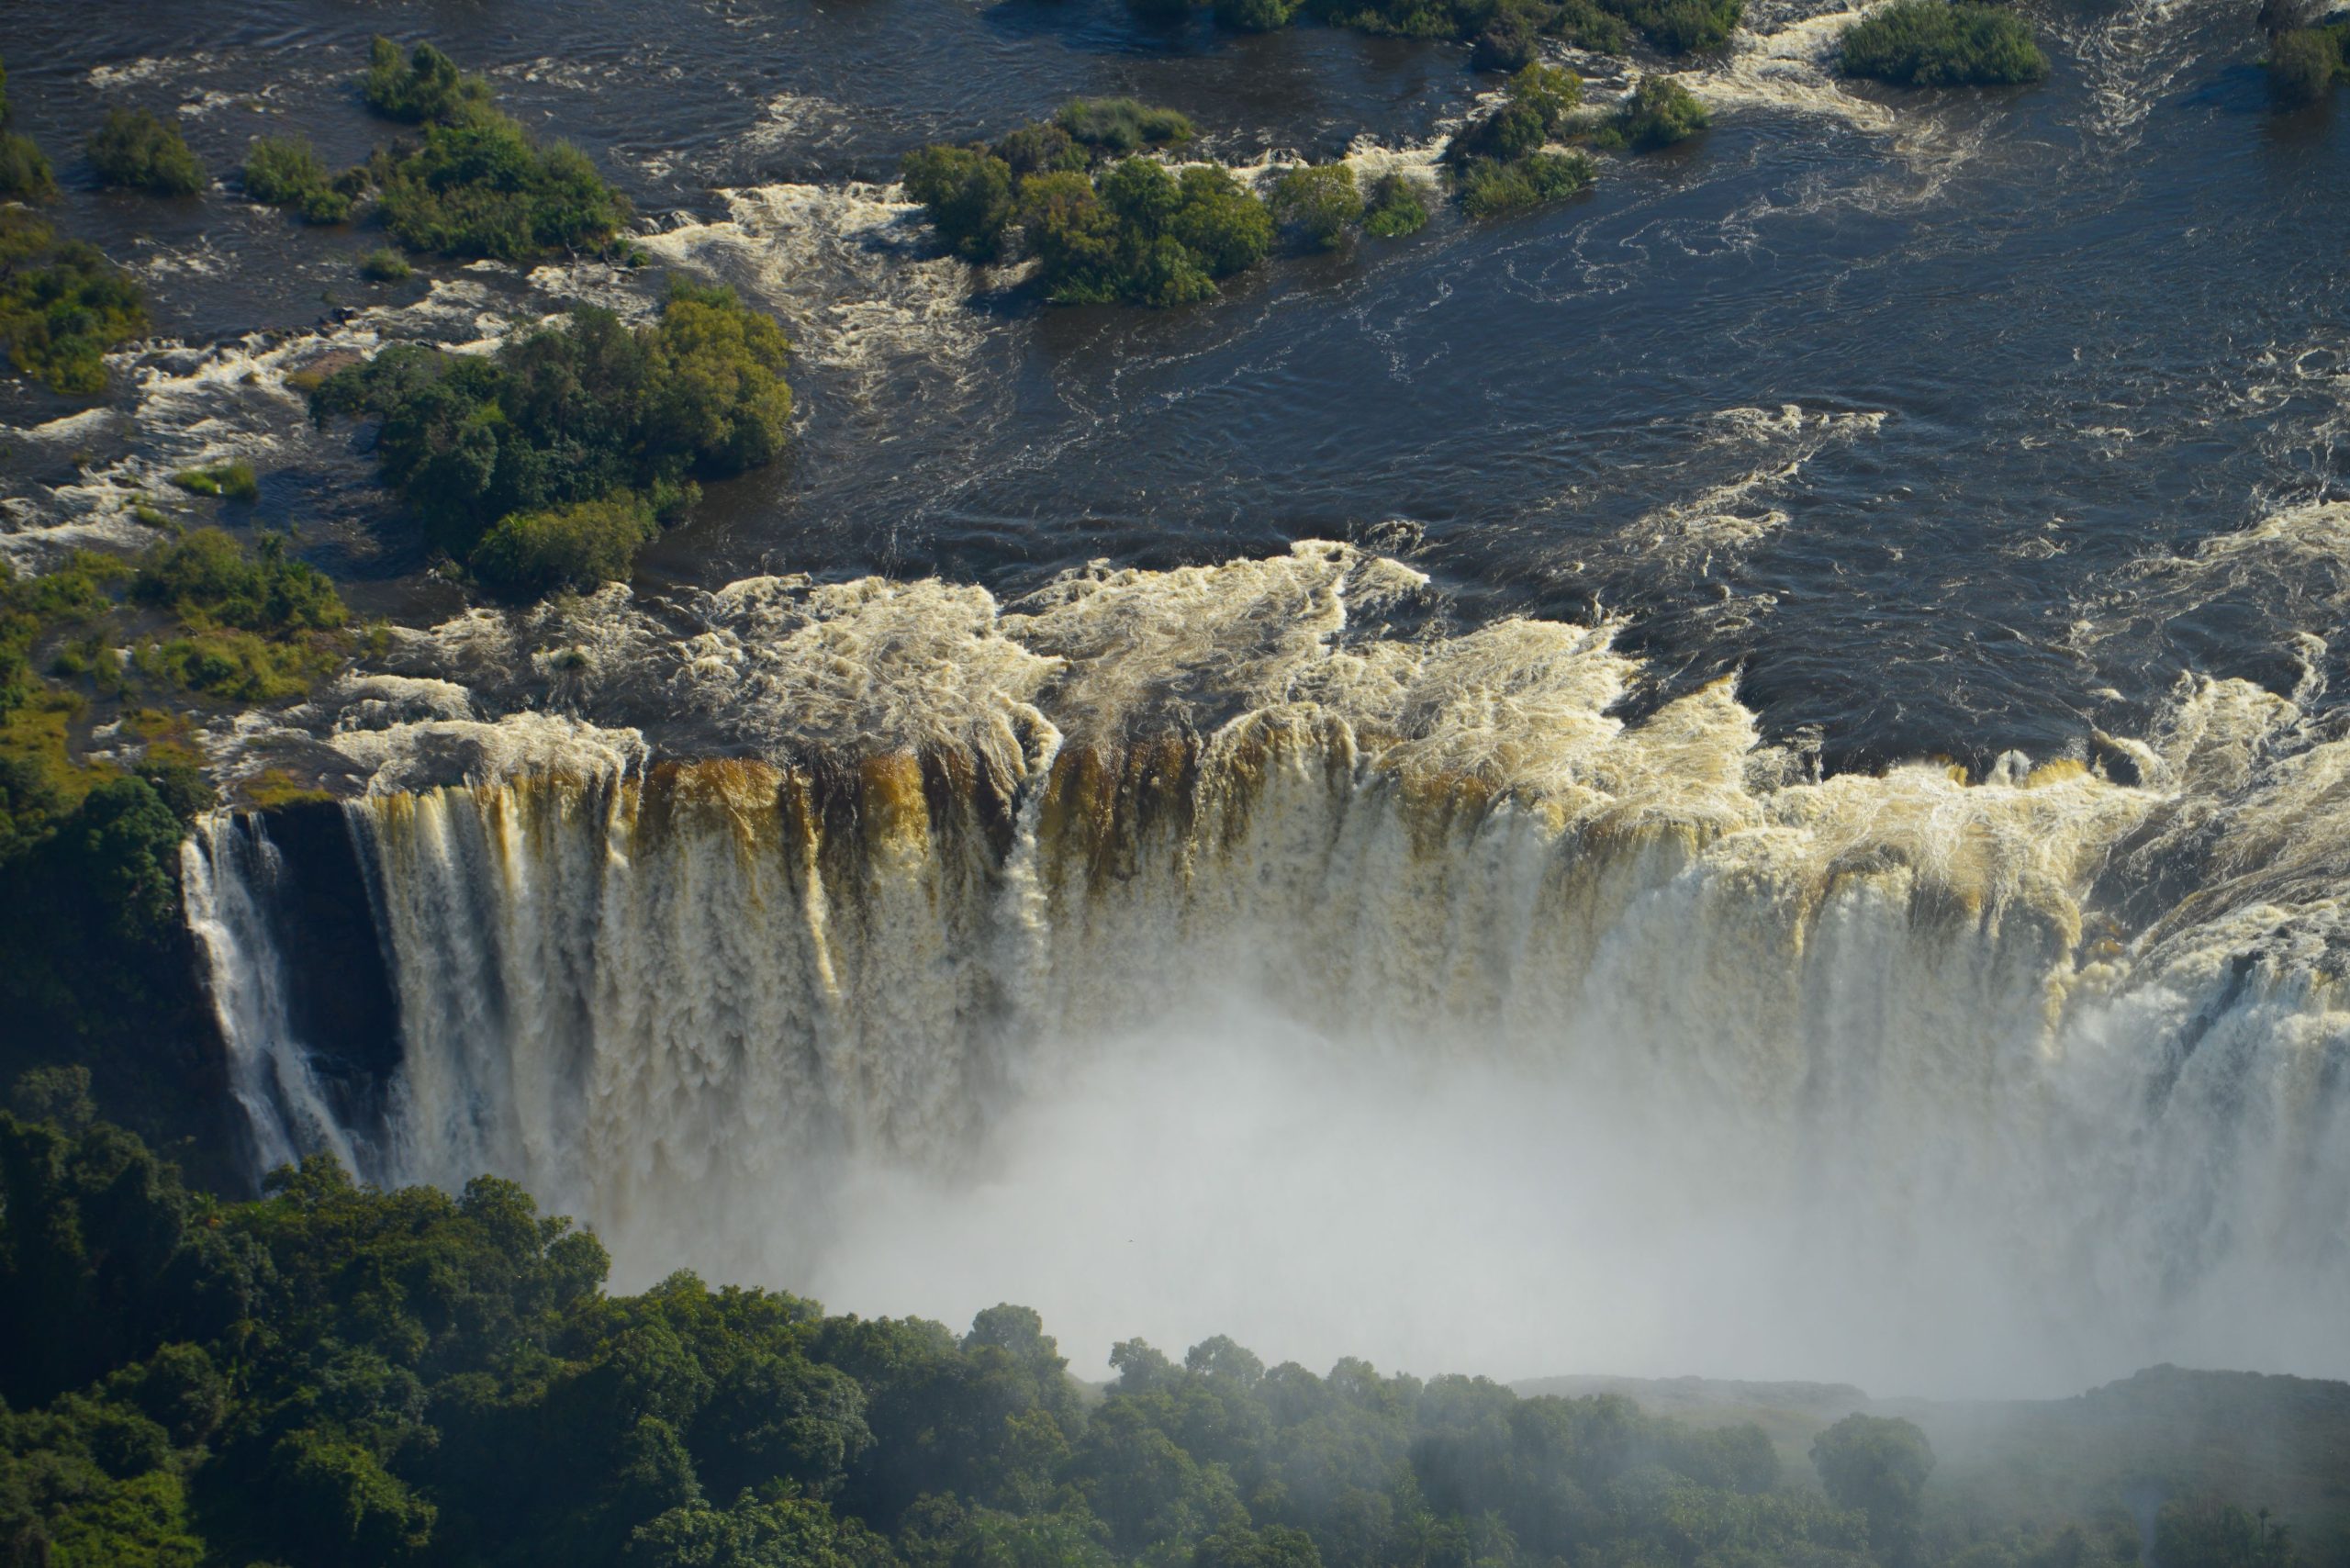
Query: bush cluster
x=2305 y=63
x=482 y=187
x=63 y=305
x=1327 y=206
x=544 y=464
x=24 y=174
x=1659 y=112
x=136 y=150
x=424 y=85
x=477 y=185
x=1943 y=43
x=1500 y=162
x=1105 y=225
x=287 y=171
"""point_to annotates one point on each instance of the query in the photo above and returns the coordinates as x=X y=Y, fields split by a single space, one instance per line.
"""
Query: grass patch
x=228 y=481
x=385 y=265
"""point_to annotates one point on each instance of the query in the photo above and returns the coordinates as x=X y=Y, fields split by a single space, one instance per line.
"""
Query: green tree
x=1322 y=202
x=138 y=151
x=1878 y=1465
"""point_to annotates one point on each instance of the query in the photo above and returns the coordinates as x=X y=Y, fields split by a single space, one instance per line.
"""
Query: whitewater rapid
x=1230 y=947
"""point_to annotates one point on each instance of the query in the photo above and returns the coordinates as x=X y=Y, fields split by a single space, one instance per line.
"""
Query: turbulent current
x=1233 y=948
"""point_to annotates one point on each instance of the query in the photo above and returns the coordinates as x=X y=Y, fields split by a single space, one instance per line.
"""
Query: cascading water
x=1185 y=949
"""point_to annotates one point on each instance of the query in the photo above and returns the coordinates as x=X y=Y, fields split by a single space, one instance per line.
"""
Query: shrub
x=425 y=86
x=1660 y=112
x=286 y=172
x=1041 y=148
x=1541 y=97
x=1323 y=202
x=482 y=187
x=1395 y=208
x=1256 y=15
x=1119 y=126
x=531 y=553
x=63 y=305
x=2304 y=63
x=137 y=151
x=1507 y=43
x=967 y=193
x=1943 y=43
x=24 y=174
x=230 y=481
x=208 y=581
x=1680 y=26
x=1491 y=189
x=385 y=265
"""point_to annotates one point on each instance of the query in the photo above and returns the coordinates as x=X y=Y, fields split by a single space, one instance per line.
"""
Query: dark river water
x=1918 y=411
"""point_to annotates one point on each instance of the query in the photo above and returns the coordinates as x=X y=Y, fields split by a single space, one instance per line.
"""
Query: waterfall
x=228 y=872
x=1404 y=991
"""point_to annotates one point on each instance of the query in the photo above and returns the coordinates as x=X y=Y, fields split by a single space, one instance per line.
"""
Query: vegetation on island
x=384 y=264
x=1105 y=224
x=477 y=185
x=2306 y=55
x=287 y=171
x=137 y=149
x=1500 y=162
x=424 y=86
x=331 y=1374
x=24 y=174
x=1659 y=112
x=1503 y=35
x=551 y=462
x=1943 y=43
x=63 y=305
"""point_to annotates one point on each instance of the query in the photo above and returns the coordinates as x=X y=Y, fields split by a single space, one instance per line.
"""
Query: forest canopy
x=332 y=1375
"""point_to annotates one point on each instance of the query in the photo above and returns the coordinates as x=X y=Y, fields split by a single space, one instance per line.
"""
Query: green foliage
x=1323 y=202
x=206 y=580
x=1504 y=35
x=385 y=265
x=1138 y=234
x=337 y=1374
x=1117 y=126
x=425 y=86
x=1659 y=112
x=1395 y=208
x=137 y=151
x=1943 y=43
x=528 y=555
x=1539 y=99
x=2211 y=1533
x=594 y=411
x=231 y=481
x=1256 y=15
x=2305 y=63
x=24 y=174
x=967 y=193
x=287 y=171
x=1877 y=1467
x=1498 y=161
x=481 y=186
x=63 y=305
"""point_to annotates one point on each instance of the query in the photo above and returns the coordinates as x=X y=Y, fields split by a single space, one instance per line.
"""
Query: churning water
x=1525 y=937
